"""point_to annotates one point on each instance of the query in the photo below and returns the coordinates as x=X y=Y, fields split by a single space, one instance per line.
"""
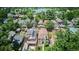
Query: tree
x=50 y=14
x=69 y=15
x=3 y=13
x=5 y=44
x=40 y=16
x=77 y=24
x=66 y=41
x=49 y=26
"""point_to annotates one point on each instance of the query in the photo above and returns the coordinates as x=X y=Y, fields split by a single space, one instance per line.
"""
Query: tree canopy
x=66 y=41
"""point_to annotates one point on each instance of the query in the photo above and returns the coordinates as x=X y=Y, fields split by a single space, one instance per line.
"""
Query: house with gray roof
x=18 y=38
x=32 y=36
x=60 y=23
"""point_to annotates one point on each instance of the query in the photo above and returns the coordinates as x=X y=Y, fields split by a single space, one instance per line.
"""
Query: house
x=70 y=24
x=40 y=24
x=60 y=23
x=18 y=38
x=17 y=41
x=42 y=35
x=9 y=15
x=32 y=38
x=31 y=32
x=45 y=21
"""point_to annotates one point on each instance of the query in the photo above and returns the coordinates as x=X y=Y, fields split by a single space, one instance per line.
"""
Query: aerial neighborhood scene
x=39 y=29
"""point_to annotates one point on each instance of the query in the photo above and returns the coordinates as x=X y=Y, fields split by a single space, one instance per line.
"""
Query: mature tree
x=3 y=13
x=69 y=15
x=40 y=16
x=49 y=25
x=77 y=24
x=50 y=14
x=5 y=44
x=10 y=25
